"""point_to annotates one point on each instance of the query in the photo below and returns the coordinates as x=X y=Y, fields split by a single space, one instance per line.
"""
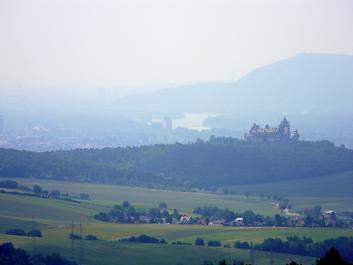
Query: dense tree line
x=90 y=237
x=9 y=184
x=143 y=239
x=126 y=213
x=331 y=257
x=315 y=217
x=214 y=243
x=38 y=191
x=9 y=255
x=303 y=246
x=249 y=217
x=219 y=161
x=21 y=232
x=181 y=243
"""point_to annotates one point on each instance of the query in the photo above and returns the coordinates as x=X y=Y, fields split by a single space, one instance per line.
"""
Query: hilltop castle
x=282 y=133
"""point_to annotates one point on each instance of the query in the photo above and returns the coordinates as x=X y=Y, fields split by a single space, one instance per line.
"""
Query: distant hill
x=217 y=162
x=202 y=97
x=306 y=82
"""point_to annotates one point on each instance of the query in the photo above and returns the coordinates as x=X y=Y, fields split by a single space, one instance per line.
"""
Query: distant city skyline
x=1 y=125
x=136 y=45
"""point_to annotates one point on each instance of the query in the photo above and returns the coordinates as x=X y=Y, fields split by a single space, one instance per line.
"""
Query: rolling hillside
x=337 y=185
x=218 y=162
x=54 y=218
x=306 y=82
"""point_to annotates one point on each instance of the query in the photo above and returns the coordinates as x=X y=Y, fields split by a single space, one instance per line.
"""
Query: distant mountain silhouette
x=306 y=82
x=201 y=97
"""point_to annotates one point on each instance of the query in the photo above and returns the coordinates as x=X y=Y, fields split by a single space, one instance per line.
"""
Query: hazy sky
x=55 y=44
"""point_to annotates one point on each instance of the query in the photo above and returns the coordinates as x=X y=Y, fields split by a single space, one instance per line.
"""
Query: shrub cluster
x=144 y=239
x=21 y=232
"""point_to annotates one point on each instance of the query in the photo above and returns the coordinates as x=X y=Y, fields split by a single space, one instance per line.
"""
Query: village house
x=238 y=221
x=185 y=219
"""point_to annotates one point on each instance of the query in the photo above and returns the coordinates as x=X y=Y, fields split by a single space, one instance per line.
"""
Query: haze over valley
x=297 y=87
x=164 y=132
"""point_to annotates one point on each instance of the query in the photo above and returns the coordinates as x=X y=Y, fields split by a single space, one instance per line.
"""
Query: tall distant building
x=167 y=123
x=1 y=125
x=162 y=124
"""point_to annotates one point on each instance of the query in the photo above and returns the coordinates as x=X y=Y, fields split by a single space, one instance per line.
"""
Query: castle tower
x=284 y=129
x=254 y=128
x=296 y=135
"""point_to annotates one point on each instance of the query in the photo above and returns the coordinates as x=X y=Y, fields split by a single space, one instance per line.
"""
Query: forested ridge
x=219 y=161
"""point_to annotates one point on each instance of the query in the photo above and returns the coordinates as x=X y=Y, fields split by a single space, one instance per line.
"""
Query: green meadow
x=54 y=218
x=108 y=195
x=110 y=252
x=188 y=233
x=331 y=186
x=10 y=223
x=331 y=191
x=20 y=206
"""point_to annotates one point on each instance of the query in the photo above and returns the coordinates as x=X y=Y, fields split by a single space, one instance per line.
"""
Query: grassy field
x=26 y=207
x=107 y=253
x=331 y=186
x=188 y=233
x=184 y=201
x=10 y=223
x=331 y=191
x=107 y=250
x=324 y=191
x=338 y=204
x=54 y=217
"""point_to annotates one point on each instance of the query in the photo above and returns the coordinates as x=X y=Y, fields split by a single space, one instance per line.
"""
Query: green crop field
x=108 y=252
x=183 y=201
x=304 y=193
x=331 y=191
x=107 y=249
x=47 y=209
x=10 y=223
x=54 y=218
x=334 y=185
x=338 y=204
x=188 y=233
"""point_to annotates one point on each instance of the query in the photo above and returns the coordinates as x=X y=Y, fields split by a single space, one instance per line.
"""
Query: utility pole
x=33 y=237
x=252 y=254
x=271 y=258
x=71 y=237
x=81 y=246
